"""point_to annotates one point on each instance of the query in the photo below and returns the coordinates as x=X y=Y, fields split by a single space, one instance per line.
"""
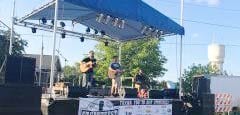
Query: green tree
x=17 y=49
x=195 y=70
x=72 y=73
x=144 y=54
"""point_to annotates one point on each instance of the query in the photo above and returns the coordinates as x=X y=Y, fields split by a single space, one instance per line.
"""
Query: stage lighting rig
x=34 y=30
x=62 y=24
x=82 y=39
x=88 y=30
x=103 y=33
x=95 y=31
x=44 y=20
x=63 y=35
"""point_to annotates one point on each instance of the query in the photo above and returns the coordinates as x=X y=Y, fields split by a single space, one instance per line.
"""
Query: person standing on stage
x=88 y=64
x=114 y=73
x=140 y=80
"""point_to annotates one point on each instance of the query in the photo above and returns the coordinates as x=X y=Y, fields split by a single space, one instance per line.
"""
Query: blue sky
x=222 y=18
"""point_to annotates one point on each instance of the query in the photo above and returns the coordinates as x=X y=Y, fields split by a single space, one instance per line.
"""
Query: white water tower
x=216 y=55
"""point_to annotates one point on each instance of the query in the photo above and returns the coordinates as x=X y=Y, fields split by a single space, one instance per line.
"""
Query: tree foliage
x=144 y=54
x=195 y=70
x=17 y=49
x=72 y=73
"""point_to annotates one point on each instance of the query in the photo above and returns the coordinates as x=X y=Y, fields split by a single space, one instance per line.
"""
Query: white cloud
x=208 y=2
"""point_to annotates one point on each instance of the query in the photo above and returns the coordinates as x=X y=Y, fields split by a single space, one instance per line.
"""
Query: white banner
x=111 y=106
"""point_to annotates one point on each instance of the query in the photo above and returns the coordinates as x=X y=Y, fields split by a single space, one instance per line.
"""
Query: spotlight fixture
x=82 y=39
x=103 y=33
x=95 y=31
x=143 y=29
x=108 y=18
x=62 y=24
x=63 y=35
x=115 y=22
x=122 y=24
x=106 y=43
x=99 y=18
x=88 y=30
x=52 y=22
x=44 y=20
x=34 y=30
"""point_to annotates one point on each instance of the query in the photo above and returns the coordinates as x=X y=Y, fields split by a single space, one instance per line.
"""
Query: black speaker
x=128 y=92
x=201 y=85
x=20 y=70
x=178 y=107
x=155 y=94
x=76 y=91
x=170 y=94
x=63 y=107
x=20 y=100
x=207 y=104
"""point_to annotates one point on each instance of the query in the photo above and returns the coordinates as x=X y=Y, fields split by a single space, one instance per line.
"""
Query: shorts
x=116 y=82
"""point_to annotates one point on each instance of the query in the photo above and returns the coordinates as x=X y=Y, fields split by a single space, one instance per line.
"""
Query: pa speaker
x=170 y=93
x=128 y=93
x=20 y=70
x=207 y=104
x=155 y=94
x=76 y=91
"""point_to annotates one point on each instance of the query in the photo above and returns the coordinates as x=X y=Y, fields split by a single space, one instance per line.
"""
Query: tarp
x=136 y=13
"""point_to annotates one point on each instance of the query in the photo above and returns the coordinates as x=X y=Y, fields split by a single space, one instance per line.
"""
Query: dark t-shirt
x=88 y=60
x=140 y=79
x=115 y=66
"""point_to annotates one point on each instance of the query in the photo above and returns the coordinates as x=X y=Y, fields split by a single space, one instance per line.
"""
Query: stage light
x=44 y=20
x=82 y=39
x=63 y=35
x=34 y=30
x=52 y=22
x=122 y=24
x=108 y=18
x=103 y=33
x=115 y=22
x=88 y=30
x=144 y=30
x=62 y=24
x=95 y=31
x=100 y=18
x=106 y=43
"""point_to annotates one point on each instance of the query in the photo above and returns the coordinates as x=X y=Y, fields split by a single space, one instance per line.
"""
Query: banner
x=111 y=106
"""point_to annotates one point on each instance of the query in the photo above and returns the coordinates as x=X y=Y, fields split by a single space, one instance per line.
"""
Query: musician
x=115 y=68
x=87 y=78
x=140 y=80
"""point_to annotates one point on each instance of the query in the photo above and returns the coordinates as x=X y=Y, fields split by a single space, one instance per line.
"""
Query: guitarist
x=114 y=74
x=87 y=78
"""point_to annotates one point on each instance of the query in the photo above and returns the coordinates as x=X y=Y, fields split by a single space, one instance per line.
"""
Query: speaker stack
x=19 y=96
x=207 y=104
x=20 y=70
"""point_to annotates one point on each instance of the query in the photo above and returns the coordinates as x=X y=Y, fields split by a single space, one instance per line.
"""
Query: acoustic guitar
x=114 y=74
x=84 y=67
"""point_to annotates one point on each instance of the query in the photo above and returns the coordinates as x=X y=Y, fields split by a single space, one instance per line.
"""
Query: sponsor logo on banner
x=98 y=107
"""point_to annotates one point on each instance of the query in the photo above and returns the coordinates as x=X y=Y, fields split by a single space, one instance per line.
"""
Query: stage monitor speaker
x=76 y=92
x=155 y=94
x=20 y=70
x=128 y=93
x=64 y=107
x=170 y=94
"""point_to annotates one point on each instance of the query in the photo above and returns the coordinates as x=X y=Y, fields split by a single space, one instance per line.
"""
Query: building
x=46 y=69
